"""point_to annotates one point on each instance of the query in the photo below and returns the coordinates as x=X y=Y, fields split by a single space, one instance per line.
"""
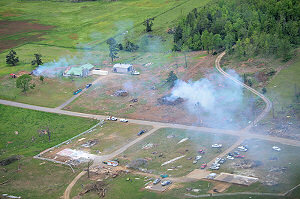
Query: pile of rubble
x=120 y=93
x=98 y=187
x=168 y=100
x=90 y=143
x=248 y=164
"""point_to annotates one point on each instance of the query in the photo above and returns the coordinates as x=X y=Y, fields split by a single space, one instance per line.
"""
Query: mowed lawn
x=27 y=123
x=165 y=147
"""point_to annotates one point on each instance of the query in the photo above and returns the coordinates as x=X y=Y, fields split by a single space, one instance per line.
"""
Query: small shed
x=122 y=68
x=98 y=71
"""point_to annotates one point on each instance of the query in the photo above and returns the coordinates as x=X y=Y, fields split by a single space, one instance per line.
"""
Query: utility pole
x=88 y=169
x=185 y=59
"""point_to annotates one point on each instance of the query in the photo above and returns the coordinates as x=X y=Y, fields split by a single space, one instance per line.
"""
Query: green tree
x=37 y=60
x=24 y=82
x=113 y=48
x=42 y=78
x=148 y=23
x=12 y=58
x=172 y=77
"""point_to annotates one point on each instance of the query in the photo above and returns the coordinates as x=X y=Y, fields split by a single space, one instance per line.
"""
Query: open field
x=163 y=146
x=19 y=130
x=102 y=140
x=81 y=23
x=49 y=93
x=277 y=171
x=35 y=179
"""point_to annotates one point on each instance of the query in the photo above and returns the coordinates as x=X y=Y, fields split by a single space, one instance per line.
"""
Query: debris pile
x=168 y=100
x=135 y=164
x=248 y=164
x=98 y=187
x=120 y=93
x=9 y=160
x=90 y=143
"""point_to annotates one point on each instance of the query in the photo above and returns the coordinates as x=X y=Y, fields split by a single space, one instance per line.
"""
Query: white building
x=123 y=68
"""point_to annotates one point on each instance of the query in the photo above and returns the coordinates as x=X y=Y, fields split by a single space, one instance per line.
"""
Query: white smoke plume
x=214 y=100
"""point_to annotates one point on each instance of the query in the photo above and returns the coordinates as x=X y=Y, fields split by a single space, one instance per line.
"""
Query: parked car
x=166 y=182
x=239 y=156
x=141 y=132
x=203 y=166
x=135 y=72
x=164 y=175
x=123 y=120
x=276 y=148
x=156 y=181
x=77 y=91
x=243 y=148
x=110 y=118
x=216 y=145
x=222 y=161
x=201 y=151
x=88 y=85
x=229 y=157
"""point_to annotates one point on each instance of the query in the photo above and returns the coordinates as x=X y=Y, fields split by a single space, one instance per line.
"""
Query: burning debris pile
x=169 y=100
x=120 y=93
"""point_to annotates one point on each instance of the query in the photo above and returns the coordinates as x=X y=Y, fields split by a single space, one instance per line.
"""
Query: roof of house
x=78 y=70
x=122 y=65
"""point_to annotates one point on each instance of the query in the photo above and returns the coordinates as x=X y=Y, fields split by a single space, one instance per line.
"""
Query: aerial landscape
x=146 y=99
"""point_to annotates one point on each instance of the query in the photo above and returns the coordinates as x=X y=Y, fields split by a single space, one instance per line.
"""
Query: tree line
x=266 y=27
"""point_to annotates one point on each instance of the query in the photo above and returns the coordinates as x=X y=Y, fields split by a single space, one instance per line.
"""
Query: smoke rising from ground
x=214 y=100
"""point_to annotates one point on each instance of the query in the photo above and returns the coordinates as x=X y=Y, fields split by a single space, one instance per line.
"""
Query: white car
x=230 y=157
x=123 y=120
x=242 y=148
x=135 y=73
x=276 y=148
x=216 y=145
x=112 y=118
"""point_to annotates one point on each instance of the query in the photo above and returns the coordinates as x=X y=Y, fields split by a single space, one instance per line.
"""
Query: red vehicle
x=201 y=151
x=203 y=166
x=12 y=75
x=239 y=156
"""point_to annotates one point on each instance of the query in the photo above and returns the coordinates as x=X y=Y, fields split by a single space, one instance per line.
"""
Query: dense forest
x=244 y=27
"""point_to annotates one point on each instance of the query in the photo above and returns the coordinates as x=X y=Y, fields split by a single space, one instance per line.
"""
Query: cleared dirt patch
x=12 y=28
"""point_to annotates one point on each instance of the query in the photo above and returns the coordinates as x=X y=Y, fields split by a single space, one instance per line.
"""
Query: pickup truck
x=77 y=91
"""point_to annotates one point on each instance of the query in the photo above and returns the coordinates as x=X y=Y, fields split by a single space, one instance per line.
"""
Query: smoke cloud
x=214 y=100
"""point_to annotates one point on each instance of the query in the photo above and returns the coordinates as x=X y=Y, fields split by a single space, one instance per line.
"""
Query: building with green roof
x=79 y=71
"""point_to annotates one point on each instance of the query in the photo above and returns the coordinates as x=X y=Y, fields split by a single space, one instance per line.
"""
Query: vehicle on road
x=111 y=163
x=141 y=132
x=123 y=120
x=111 y=118
x=156 y=181
x=77 y=91
x=88 y=85
x=229 y=157
x=164 y=175
x=166 y=182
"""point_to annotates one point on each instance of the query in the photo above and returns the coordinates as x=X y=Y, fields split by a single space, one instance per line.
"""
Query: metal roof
x=122 y=65
x=78 y=70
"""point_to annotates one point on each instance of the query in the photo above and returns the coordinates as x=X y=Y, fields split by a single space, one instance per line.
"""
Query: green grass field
x=28 y=122
x=111 y=136
x=169 y=149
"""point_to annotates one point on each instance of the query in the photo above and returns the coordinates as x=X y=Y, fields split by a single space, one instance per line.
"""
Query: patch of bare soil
x=10 y=28
x=219 y=187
